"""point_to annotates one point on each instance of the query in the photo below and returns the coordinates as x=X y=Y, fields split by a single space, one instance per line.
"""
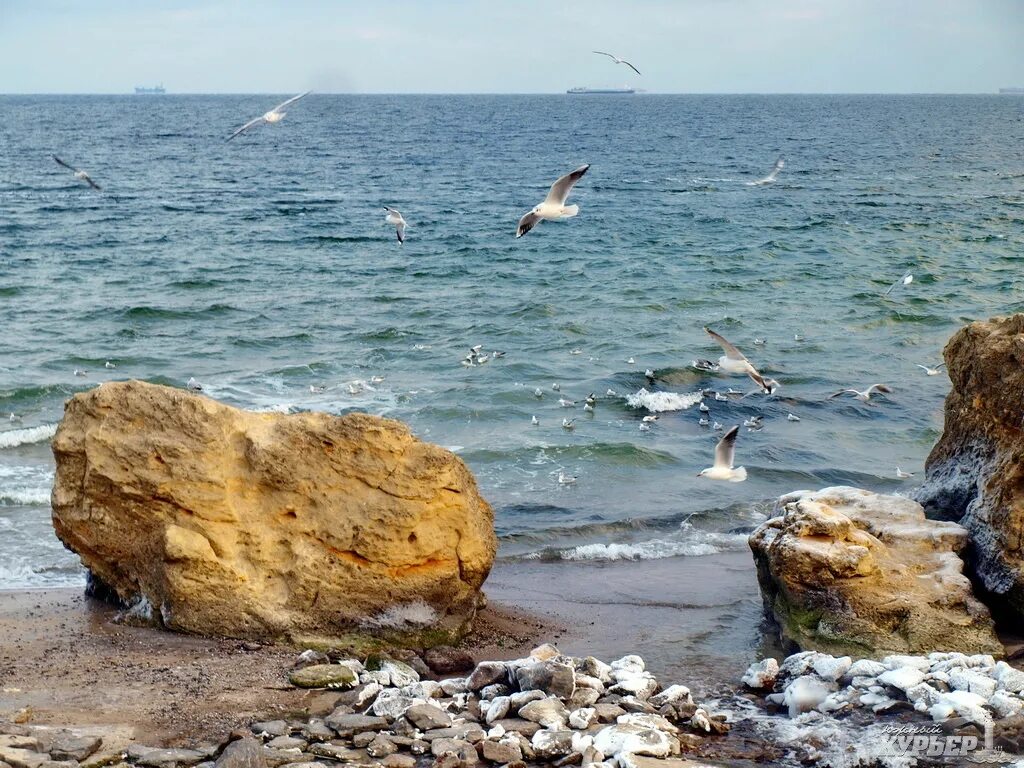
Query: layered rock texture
x=845 y=570
x=266 y=525
x=975 y=473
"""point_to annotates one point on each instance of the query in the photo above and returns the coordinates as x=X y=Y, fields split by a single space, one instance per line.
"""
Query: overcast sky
x=526 y=46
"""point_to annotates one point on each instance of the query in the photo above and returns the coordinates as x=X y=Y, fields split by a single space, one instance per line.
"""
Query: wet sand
x=64 y=657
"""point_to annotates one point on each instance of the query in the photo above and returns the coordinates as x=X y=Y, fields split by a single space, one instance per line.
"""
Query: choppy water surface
x=263 y=266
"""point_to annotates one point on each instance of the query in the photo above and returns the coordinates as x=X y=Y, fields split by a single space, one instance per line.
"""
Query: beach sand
x=695 y=620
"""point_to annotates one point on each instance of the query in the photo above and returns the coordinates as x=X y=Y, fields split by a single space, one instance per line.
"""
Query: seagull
x=576 y=352
x=717 y=427
x=376 y=379
x=316 y=389
x=724 y=453
x=80 y=372
x=193 y=385
x=611 y=393
x=932 y=371
x=109 y=364
x=779 y=165
x=797 y=337
x=900 y=474
x=591 y=400
x=703 y=365
x=395 y=217
x=649 y=373
x=273 y=116
x=703 y=408
x=792 y=417
x=553 y=208
x=703 y=421
x=618 y=60
x=569 y=424
x=754 y=422
x=864 y=396
x=538 y=393
x=630 y=361
x=760 y=342
x=564 y=479
x=720 y=397
x=497 y=354
x=556 y=387
x=733 y=361
x=645 y=427
x=535 y=421
x=80 y=175
x=588 y=407
x=650 y=417
x=566 y=403
x=907 y=279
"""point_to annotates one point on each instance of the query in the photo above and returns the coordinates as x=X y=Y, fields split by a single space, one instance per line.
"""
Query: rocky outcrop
x=975 y=473
x=267 y=525
x=844 y=570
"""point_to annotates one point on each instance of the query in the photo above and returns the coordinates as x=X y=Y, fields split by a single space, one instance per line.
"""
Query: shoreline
x=63 y=656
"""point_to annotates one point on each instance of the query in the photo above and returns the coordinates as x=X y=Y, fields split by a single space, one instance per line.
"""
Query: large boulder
x=975 y=473
x=847 y=571
x=243 y=524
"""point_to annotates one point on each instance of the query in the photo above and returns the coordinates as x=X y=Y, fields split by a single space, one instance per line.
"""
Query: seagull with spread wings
x=618 y=60
x=275 y=115
x=80 y=175
x=553 y=208
x=725 y=453
x=734 y=361
x=864 y=396
x=779 y=165
x=394 y=217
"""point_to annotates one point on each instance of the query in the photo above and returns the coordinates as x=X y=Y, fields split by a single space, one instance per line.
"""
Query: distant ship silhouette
x=155 y=89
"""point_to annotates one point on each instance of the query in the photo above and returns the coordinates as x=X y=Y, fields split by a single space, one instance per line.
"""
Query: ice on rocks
x=1005 y=704
x=675 y=694
x=865 y=668
x=804 y=694
x=902 y=677
x=760 y=675
x=896 y=661
x=391 y=703
x=582 y=718
x=632 y=739
x=1008 y=678
x=975 y=682
x=831 y=668
x=961 y=704
x=632 y=664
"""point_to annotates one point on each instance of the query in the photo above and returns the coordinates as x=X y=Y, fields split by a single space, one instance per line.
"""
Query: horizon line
x=995 y=92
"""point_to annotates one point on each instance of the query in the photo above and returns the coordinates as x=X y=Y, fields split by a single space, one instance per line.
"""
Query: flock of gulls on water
x=554 y=208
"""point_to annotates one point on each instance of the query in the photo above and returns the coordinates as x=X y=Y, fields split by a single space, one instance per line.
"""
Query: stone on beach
x=850 y=571
x=267 y=525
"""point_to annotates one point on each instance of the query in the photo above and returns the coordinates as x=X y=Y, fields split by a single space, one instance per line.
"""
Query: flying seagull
x=553 y=208
x=80 y=175
x=932 y=371
x=733 y=361
x=275 y=115
x=395 y=217
x=907 y=279
x=724 y=454
x=864 y=396
x=779 y=165
x=618 y=60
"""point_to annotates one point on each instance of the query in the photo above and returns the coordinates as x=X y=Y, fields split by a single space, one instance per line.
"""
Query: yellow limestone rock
x=267 y=525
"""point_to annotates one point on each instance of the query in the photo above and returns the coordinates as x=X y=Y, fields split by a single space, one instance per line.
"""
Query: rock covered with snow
x=844 y=570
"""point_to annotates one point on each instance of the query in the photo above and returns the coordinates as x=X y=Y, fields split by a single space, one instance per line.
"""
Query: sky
x=526 y=46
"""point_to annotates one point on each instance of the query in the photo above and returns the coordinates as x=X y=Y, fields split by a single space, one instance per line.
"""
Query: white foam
x=15 y=437
x=659 y=402
x=25 y=497
x=655 y=549
x=404 y=616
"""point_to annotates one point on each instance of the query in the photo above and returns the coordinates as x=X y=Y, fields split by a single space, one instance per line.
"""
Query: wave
x=14 y=437
x=692 y=543
x=660 y=402
x=25 y=497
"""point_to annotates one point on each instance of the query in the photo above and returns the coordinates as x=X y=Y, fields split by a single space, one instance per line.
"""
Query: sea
x=263 y=268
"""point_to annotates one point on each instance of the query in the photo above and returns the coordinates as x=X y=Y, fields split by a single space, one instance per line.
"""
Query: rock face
x=266 y=525
x=975 y=473
x=848 y=571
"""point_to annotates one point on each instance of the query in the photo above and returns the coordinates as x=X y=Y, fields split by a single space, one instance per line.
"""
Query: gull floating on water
x=193 y=385
x=316 y=389
x=80 y=372
x=725 y=452
x=903 y=475
x=109 y=364
x=703 y=408
x=703 y=421
x=733 y=361
x=717 y=427
x=535 y=421
x=566 y=403
x=538 y=393
x=779 y=165
x=611 y=393
x=553 y=208
x=645 y=427
x=754 y=422
x=932 y=371
x=907 y=279
x=792 y=417
x=650 y=417
x=630 y=361
x=864 y=396
x=797 y=337
x=275 y=115
x=591 y=400
x=394 y=217
x=703 y=365
x=720 y=397
x=556 y=386
x=618 y=60
x=78 y=174
x=564 y=479
x=760 y=342
x=568 y=423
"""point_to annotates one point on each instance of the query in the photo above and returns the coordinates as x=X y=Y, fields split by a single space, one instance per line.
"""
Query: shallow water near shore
x=263 y=268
